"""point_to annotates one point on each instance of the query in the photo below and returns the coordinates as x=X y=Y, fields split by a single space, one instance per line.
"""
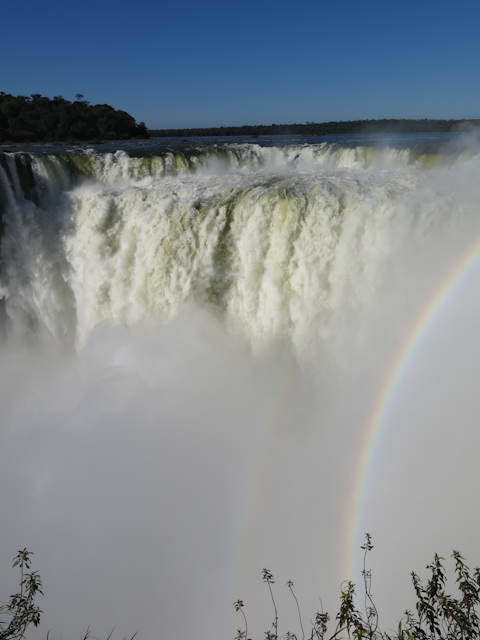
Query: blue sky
x=186 y=63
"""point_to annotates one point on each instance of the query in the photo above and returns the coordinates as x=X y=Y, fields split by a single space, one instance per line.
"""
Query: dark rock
x=23 y=163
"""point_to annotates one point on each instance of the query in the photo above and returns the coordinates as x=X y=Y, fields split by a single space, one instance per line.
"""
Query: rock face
x=23 y=167
x=23 y=163
x=3 y=195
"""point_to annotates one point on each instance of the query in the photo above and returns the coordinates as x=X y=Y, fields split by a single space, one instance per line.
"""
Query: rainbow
x=378 y=418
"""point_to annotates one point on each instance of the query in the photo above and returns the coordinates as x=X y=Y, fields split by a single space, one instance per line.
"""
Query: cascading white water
x=281 y=244
x=191 y=344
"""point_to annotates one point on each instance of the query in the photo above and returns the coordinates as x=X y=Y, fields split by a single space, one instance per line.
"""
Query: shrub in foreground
x=439 y=616
x=21 y=610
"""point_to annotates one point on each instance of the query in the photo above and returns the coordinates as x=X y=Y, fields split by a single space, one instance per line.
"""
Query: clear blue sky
x=181 y=63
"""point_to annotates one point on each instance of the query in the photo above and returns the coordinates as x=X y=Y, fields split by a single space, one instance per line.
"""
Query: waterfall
x=192 y=341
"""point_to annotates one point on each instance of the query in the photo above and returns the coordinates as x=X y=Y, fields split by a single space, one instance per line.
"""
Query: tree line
x=326 y=128
x=36 y=118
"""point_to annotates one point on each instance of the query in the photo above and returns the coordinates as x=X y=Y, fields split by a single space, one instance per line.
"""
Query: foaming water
x=192 y=343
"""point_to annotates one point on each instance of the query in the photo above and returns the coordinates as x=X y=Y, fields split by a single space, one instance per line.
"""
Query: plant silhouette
x=439 y=616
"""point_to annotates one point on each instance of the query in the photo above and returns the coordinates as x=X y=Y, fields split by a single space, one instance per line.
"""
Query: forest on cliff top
x=36 y=118
x=385 y=126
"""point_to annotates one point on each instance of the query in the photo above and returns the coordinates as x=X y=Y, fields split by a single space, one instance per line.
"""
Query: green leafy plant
x=268 y=578
x=439 y=616
x=290 y=586
x=241 y=635
x=21 y=611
